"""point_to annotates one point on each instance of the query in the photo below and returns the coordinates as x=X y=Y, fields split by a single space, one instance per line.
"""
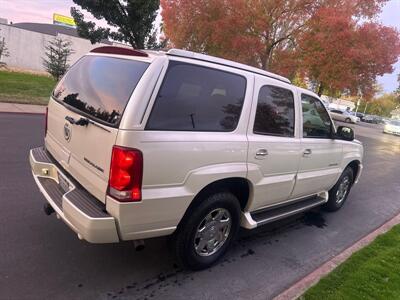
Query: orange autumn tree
x=340 y=54
x=242 y=30
x=323 y=41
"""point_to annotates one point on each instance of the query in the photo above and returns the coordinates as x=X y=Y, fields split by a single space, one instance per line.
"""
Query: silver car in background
x=344 y=116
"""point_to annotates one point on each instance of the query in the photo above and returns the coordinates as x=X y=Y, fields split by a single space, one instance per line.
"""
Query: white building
x=26 y=44
x=337 y=103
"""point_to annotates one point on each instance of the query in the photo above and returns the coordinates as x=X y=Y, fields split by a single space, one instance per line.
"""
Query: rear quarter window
x=100 y=86
x=196 y=98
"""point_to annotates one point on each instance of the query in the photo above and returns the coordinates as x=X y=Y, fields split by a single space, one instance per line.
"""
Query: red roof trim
x=119 y=51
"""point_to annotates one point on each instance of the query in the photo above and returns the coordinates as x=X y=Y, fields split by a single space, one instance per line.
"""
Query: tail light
x=126 y=171
x=45 y=120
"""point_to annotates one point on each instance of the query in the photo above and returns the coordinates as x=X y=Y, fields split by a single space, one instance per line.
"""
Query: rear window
x=195 y=98
x=336 y=111
x=100 y=86
x=395 y=123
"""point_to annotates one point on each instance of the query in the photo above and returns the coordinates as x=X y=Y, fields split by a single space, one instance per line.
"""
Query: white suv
x=147 y=144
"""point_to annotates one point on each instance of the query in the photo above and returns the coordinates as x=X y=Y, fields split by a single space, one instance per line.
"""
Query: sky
x=390 y=16
x=41 y=11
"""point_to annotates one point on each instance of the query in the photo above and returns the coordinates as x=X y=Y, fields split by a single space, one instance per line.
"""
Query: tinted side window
x=100 y=87
x=195 y=98
x=316 y=121
x=275 y=112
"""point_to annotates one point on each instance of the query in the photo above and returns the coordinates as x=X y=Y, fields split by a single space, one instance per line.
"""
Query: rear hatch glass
x=100 y=87
x=95 y=88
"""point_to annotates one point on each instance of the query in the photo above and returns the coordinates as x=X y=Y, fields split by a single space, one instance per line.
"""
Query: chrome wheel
x=342 y=190
x=212 y=232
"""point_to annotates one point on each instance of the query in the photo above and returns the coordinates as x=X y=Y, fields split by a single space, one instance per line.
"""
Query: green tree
x=397 y=91
x=57 y=54
x=132 y=19
x=381 y=106
x=3 y=51
x=299 y=80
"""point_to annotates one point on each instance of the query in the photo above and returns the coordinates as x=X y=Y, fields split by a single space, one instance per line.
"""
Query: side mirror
x=345 y=133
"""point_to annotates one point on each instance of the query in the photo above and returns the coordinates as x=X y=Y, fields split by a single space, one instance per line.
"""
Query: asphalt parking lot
x=40 y=258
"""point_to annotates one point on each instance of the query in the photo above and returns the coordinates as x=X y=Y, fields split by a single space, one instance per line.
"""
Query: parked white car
x=343 y=116
x=147 y=144
x=392 y=127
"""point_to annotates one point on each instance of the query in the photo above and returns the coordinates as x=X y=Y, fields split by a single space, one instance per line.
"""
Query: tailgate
x=83 y=117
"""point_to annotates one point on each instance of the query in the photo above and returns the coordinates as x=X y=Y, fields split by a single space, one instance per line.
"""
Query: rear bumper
x=83 y=213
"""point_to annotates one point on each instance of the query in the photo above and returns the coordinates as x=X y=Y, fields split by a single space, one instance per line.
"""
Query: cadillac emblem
x=67 y=132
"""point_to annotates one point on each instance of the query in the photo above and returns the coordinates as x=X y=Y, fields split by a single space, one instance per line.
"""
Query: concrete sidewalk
x=22 y=108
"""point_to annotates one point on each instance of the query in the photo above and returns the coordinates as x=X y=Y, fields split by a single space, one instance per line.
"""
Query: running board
x=271 y=214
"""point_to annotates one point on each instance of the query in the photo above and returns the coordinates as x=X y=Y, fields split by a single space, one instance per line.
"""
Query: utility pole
x=365 y=108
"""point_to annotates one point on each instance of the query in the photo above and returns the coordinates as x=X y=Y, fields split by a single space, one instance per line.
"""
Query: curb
x=296 y=290
x=22 y=112
x=18 y=108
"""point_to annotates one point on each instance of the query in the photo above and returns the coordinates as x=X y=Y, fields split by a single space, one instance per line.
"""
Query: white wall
x=27 y=48
x=337 y=103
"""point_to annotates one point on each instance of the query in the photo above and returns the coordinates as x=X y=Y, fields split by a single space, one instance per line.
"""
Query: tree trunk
x=320 y=89
x=365 y=108
x=267 y=58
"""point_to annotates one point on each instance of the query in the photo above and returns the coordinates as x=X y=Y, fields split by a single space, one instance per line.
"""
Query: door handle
x=307 y=152
x=70 y=119
x=261 y=153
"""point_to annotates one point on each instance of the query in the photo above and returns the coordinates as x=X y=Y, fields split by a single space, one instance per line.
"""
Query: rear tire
x=204 y=235
x=338 y=194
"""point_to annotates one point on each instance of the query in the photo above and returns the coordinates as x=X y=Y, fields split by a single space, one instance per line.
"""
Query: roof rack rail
x=225 y=62
x=119 y=51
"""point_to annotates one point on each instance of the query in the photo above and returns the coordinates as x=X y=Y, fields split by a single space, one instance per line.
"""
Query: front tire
x=348 y=120
x=204 y=235
x=338 y=194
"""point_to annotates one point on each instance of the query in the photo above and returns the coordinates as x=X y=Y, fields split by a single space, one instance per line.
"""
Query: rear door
x=84 y=114
x=274 y=146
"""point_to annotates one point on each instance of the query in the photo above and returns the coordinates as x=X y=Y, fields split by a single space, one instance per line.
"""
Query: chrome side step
x=271 y=214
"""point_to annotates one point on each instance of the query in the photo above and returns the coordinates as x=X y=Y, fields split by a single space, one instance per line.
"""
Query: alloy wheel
x=342 y=190
x=212 y=232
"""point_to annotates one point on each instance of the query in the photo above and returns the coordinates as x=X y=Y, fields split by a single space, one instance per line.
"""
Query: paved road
x=40 y=258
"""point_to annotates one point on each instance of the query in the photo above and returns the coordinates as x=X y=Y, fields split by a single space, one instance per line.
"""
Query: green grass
x=371 y=273
x=26 y=88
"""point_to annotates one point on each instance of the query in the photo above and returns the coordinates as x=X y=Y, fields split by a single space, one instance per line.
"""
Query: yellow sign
x=63 y=20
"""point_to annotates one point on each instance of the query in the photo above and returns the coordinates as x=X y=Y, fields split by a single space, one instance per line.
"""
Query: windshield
x=100 y=86
x=394 y=122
